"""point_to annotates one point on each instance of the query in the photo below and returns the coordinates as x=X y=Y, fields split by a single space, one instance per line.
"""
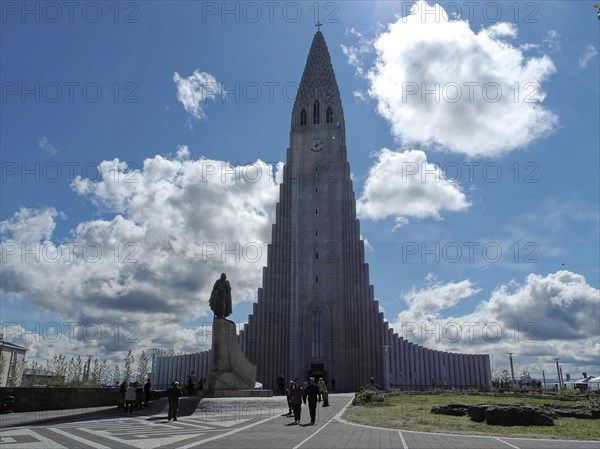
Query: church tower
x=316 y=314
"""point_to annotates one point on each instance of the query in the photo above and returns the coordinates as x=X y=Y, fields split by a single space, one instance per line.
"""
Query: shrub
x=368 y=396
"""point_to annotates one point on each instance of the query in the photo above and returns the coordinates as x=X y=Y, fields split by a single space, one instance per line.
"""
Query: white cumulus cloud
x=404 y=184
x=441 y=84
x=545 y=316
x=169 y=229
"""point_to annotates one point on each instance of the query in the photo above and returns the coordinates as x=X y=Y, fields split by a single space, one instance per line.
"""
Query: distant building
x=594 y=384
x=11 y=358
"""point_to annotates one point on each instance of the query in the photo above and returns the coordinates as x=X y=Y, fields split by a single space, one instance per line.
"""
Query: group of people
x=133 y=394
x=312 y=394
x=193 y=385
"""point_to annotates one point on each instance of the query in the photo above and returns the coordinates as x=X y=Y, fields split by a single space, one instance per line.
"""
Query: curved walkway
x=233 y=423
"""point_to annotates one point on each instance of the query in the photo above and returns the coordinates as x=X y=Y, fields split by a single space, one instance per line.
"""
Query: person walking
x=147 y=390
x=281 y=384
x=139 y=395
x=174 y=393
x=297 y=394
x=323 y=392
x=312 y=391
x=191 y=384
x=288 y=393
x=122 y=391
x=129 y=398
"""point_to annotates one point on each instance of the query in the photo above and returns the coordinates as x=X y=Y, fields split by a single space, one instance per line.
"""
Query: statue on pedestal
x=230 y=370
x=220 y=298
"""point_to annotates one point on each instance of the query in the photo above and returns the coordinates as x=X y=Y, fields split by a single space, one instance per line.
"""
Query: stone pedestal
x=231 y=370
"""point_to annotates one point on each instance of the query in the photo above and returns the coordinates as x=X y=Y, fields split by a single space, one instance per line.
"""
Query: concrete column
x=438 y=366
x=268 y=309
x=410 y=367
x=488 y=371
x=467 y=371
x=471 y=370
x=482 y=381
x=250 y=339
x=464 y=370
x=446 y=370
x=437 y=363
x=405 y=364
x=456 y=370
x=426 y=368
x=476 y=380
x=450 y=378
x=421 y=359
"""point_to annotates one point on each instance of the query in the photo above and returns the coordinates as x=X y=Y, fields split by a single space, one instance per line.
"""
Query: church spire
x=317 y=87
x=318 y=79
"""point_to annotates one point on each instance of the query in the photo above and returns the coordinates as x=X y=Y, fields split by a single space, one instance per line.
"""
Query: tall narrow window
x=329 y=116
x=316 y=233
x=316 y=333
x=303 y=117
x=316 y=190
x=316 y=113
x=316 y=211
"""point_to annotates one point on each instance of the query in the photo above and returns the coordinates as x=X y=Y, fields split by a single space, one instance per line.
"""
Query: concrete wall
x=30 y=399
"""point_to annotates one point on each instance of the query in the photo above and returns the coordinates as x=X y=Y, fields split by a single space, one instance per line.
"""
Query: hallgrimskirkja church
x=316 y=313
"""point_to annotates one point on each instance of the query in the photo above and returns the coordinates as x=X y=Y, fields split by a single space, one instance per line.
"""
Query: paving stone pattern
x=233 y=423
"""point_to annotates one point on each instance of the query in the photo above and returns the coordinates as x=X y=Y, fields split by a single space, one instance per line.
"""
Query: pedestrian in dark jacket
x=139 y=395
x=174 y=393
x=122 y=390
x=288 y=393
x=147 y=390
x=296 y=396
x=311 y=394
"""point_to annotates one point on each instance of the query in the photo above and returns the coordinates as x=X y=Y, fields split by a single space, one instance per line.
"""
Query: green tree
x=35 y=371
x=75 y=371
x=104 y=375
x=95 y=373
x=143 y=367
x=18 y=377
x=117 y=376
x=129 y=361
x=58 y=367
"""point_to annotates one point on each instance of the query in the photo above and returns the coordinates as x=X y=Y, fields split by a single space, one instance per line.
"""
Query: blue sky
x=472 y=138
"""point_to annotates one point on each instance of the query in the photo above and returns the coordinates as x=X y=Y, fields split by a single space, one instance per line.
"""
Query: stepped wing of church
x=316 y=314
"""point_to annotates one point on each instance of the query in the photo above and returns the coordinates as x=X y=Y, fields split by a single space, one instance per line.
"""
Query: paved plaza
x=232 y=423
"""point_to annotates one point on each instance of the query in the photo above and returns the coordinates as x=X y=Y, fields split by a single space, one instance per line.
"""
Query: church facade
x=316 y=314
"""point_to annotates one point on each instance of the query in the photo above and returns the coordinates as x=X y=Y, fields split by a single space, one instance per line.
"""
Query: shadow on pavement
x=187 y=407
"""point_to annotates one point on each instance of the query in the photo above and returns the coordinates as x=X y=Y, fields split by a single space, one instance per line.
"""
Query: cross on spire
x=318 y=25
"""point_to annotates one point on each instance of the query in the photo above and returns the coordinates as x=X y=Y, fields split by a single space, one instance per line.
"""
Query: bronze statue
x=220 y=298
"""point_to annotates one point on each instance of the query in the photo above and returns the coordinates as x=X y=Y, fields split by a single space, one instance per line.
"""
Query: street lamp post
x=512 y=370
x=544 y=377
x=558 y=373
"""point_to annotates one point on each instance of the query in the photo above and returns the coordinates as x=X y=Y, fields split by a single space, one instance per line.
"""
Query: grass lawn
x=412 y=412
